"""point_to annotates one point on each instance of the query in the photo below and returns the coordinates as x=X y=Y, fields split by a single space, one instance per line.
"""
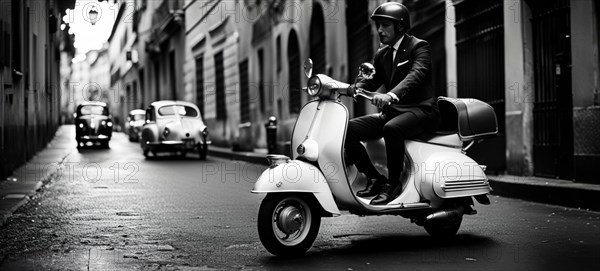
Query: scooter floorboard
x=401 y=208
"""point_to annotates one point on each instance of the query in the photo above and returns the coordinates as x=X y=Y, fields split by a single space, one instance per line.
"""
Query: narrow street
x=111 y=209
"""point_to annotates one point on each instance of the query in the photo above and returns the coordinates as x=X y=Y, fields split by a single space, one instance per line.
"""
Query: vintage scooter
x=439 y=182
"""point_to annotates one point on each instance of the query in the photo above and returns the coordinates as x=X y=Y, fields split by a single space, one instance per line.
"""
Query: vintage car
x=135 y=121
x=92 y=124
x=174 y=126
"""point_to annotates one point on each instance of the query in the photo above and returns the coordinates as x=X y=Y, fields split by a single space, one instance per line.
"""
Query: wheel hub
x=290 y=219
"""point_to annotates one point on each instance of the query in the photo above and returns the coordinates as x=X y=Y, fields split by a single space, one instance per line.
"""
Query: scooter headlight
x=314 y=86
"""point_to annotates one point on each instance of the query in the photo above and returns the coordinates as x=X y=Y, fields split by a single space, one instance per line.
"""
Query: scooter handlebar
x=365 y=94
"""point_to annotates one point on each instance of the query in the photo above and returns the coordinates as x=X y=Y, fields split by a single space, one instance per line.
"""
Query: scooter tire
x=270 y=232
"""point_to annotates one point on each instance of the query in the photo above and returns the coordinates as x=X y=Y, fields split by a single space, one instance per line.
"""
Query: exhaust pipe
x=445 y=215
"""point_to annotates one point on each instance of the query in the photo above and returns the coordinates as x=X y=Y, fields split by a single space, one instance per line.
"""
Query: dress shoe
x=387 y=194
x=372 y=188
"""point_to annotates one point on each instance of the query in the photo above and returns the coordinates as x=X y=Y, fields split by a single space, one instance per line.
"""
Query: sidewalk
x=544 y=190
x=27 y=179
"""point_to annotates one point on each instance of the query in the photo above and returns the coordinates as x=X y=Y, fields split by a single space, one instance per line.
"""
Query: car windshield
x=170 y=110
x=137 y=117
x=93 y=110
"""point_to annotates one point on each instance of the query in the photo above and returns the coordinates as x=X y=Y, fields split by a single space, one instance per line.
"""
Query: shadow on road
x=388 y=250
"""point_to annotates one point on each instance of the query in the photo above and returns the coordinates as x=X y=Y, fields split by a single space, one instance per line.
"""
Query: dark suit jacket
x=409 y=79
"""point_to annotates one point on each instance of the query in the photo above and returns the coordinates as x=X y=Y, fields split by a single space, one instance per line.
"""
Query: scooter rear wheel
x=288 y=224
x=443 y=229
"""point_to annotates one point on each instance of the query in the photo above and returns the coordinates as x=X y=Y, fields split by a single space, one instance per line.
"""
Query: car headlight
x=81 y=125
x=109 y=124
x=103 y=122
x=314 y=86
x=166 y=132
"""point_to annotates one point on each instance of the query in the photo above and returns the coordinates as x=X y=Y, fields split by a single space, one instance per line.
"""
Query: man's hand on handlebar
x=381 y=100
x=351 y=91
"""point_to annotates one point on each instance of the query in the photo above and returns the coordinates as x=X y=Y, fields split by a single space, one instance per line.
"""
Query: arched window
x=293 y=56
x=317 y=39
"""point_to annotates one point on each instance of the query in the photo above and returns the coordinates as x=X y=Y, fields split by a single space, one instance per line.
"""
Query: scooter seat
x=441 y=137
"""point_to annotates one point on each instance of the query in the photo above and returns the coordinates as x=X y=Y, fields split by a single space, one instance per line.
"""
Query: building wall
x=29 y=79
x=241 y=44
x=518 y=89
x=80 y=79
x=249 y=29
x=520 y=86
x=66 y=56
x=585 y=85
x=121 y=70
x=100 y=77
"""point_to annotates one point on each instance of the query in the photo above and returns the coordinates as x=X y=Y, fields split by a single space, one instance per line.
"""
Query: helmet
x=394 y=11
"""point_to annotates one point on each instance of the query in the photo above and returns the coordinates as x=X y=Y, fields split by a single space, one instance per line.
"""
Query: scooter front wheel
x=288 y=224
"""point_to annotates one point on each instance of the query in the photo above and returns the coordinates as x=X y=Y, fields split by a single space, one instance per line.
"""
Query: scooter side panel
x=297 y=176
x=448 y=175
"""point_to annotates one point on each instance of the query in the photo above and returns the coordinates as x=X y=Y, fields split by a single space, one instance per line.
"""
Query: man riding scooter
x=407 y=109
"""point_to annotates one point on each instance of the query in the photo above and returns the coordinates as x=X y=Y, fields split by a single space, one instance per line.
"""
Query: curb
x=549 y=191
x=30 y=177
x=13 y=195
x=251 y=157
x=11 y=203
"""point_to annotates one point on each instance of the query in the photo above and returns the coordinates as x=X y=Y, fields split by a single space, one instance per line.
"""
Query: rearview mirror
x=366 y=70
x=308 y=67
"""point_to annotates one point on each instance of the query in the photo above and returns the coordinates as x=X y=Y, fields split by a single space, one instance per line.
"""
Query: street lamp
x=93 y=15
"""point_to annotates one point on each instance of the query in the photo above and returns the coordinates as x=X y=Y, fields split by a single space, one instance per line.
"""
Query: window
x=278 y=56
x=220 y=87
x=4 y=45
x=142 y=89
x=261 y=81
x=16 y=35
x=172 y=74
x=150 y=114
x=93 y=110
x=136 y=117
x=293 y=55
x=180 y=110
x=244 y=92
x=200 y=83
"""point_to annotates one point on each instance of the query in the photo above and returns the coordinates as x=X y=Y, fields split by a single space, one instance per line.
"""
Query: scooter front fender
x=297 y=176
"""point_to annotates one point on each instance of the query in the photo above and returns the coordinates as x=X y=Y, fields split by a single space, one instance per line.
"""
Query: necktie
x=390 y=61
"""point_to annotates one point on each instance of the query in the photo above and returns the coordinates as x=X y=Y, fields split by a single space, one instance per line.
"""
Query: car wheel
x=146 y=153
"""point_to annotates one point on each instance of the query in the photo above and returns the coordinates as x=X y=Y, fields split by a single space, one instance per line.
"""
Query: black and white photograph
x=299 y=135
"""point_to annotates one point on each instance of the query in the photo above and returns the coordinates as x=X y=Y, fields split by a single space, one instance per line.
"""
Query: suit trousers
x=394 y=130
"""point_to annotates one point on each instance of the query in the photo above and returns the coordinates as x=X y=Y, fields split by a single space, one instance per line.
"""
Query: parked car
x=93 y=124
x=174 y=126
x=135 y=121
